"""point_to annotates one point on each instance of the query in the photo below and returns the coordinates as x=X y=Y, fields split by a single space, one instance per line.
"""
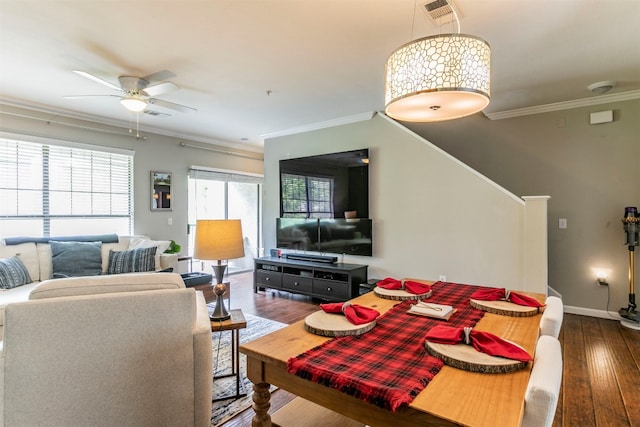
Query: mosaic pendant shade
x=438 y=78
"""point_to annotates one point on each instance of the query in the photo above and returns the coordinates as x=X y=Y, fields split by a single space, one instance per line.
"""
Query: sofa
x=124 y=349
x=37 y=257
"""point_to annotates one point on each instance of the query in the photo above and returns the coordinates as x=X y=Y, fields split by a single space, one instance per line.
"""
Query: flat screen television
x=297 y=233
x=327 y=235
x=346 y=236
x=332 y=185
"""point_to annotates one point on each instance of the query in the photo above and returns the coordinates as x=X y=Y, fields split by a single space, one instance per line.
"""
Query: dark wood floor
x=601 y=360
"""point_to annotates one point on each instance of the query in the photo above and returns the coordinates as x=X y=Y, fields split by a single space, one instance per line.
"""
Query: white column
x=535 y=247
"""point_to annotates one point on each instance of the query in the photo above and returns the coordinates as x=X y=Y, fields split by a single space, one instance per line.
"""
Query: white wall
x=432 y=215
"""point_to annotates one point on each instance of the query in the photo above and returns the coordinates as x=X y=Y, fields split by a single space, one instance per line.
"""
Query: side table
x=234 y=324
x=187 y=258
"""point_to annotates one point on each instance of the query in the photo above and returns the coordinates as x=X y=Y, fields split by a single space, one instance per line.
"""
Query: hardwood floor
x=601 y=360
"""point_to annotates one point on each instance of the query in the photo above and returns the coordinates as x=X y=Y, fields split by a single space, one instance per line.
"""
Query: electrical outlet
x=562 y=223
x=442 y=278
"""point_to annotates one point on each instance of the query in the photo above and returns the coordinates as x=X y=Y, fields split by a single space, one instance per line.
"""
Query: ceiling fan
x=137 y=94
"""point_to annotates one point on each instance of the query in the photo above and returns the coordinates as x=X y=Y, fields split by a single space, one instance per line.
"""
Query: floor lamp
x=219 y=239
x=631 y=223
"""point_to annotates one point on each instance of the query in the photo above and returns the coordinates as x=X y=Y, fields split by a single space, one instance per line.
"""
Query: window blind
x=51 y=189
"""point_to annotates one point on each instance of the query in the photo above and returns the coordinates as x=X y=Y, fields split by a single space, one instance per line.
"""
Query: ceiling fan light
x=437 y=78
x=133 y=103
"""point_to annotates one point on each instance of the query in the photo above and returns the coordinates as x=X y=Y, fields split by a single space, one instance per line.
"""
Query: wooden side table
x=234 y=324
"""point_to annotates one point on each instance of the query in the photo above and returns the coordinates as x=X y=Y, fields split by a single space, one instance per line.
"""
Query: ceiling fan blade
x=171 y=105
x=159 y=76
x=160 y=88
x=97 y=79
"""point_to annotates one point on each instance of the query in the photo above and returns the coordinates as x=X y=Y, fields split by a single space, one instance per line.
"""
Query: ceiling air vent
x=155 y=113
x=440 y=11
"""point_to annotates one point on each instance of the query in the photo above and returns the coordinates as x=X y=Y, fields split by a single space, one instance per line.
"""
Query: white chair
x=551 y=320
x=541 y=398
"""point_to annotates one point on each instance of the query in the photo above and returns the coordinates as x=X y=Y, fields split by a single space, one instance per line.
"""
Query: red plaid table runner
x=388 y=366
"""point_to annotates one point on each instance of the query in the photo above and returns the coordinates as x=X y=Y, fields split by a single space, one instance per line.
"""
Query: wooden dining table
x=453 y=397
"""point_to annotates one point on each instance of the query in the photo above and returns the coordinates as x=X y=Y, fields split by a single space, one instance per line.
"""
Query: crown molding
x=321 y=125
x=584 y=102
x=68 y=118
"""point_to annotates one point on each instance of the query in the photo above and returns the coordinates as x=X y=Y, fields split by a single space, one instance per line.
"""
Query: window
x=306 y=196
x=48 y=189
x=227 y=195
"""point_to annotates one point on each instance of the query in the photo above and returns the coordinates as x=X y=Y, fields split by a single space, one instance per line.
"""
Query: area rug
x=226 y=409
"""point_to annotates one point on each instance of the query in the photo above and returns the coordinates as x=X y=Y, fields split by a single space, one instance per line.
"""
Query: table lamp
x=219 y=239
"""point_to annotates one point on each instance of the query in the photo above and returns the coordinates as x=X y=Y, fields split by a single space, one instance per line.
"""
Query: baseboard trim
x=603 y=314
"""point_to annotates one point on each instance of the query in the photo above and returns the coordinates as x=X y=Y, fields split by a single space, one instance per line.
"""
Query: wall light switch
x=562 y=223
x=169 y=221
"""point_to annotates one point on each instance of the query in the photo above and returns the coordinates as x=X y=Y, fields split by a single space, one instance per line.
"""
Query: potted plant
x=173 y=248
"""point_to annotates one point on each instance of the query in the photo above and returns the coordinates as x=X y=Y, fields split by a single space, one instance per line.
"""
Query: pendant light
x=438 y=78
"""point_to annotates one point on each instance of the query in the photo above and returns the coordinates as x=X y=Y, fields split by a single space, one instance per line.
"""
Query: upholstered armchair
x=81 y=355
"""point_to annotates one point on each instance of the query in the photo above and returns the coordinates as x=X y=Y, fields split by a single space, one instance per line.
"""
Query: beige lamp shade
x=218 y=239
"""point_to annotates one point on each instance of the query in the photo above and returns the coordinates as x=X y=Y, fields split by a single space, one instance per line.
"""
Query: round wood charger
x=463 y=356
x=399 y=294
x=505 y=308
x=334 y=325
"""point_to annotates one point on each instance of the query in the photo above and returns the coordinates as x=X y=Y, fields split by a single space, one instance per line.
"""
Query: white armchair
x=125 y=358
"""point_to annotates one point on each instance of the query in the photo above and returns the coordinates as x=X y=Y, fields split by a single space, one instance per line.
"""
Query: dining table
x=452 y=397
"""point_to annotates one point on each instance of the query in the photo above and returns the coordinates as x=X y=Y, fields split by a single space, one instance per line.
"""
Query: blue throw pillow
x=13 y=273
x=132 y=261
x=73 y=259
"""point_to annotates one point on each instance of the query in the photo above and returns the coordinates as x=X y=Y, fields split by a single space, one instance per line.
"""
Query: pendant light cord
x=413 y=20
x=455 y=15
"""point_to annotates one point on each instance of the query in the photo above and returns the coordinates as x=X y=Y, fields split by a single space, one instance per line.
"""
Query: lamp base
x=219 y=313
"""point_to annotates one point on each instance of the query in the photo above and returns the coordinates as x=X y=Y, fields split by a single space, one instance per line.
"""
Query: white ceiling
x=255 y=68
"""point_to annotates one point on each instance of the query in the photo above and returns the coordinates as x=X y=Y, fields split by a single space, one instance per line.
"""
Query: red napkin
x=389 y=283
x=416 y=288
x=356 y=314
x=497 y=294
x=410 y=286
x=484 y=342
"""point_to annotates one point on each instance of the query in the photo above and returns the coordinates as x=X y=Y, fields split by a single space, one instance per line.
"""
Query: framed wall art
x=160 y=191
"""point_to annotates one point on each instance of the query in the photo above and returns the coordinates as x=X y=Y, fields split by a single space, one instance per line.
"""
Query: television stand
x=326 y=281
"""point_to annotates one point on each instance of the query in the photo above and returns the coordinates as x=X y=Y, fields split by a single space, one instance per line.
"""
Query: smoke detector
x=601 y=87
x=441 y=11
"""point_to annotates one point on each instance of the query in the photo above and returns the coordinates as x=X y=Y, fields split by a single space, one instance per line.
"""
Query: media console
x=327 y=281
